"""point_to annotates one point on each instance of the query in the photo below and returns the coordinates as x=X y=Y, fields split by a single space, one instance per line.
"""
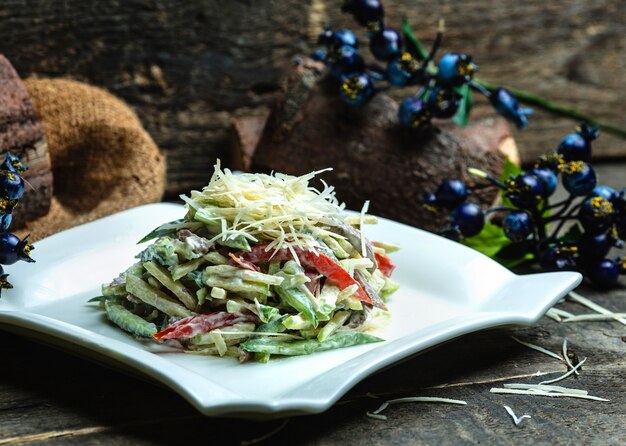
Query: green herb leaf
x=489 y=241
x=461 y=117
x=413 y=45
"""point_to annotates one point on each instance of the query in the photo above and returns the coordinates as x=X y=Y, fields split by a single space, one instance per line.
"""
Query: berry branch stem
x=556 y=109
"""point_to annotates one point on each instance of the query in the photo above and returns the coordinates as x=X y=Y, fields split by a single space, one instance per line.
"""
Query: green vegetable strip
x=215 y=258
x=338 y=340
x=298 y=300
x=155 y=298
x=180 y=271
x=339 y=252
x=331 y=326
x=179 y=290
x=276 y=326
x=128 y=321
x=236 y=284
x=244 y=274
x=239 y=242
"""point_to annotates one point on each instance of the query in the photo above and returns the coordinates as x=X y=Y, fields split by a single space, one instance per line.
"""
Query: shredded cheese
x=545 y=388
x=544 y=393
x=538 y=348
x=283 y=209
x=595 y=317
x=366 y=206
x=594 y=306
x=565 y=375
x=517 y=420
x=412 y=399
x=569 y=363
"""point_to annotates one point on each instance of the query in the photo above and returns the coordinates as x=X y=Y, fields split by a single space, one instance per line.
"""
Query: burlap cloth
x=103 y=161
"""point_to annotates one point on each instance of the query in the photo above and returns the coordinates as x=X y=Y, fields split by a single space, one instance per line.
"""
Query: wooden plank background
x=187 y=67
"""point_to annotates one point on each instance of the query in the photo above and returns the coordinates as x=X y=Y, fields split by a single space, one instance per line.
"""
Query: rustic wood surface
x=187 y=67
x=52 y=398
x=22 y=133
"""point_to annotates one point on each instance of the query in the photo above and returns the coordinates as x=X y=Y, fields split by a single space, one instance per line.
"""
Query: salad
x=260 y=265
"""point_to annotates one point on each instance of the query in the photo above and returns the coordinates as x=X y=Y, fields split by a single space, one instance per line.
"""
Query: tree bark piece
x=21 y=132
x=372 y=156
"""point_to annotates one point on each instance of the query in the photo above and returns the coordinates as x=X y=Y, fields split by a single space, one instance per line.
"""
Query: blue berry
x=365 y=12
x=5 y=220
x=596 y=215
x=414 y=113
x=558 y=258
x=4 y=284
x=595 y=246
x=517 y=225
x=11 y=185
x=548 y=179
x=443 y=102
x=451 y=193
x=319 y=55
x=525 y=191
x=604 y=273
x=13 y=163
x=606 y=192
x=507 y=106
x=386 y=44
x=577 y=146
x=346 y=61
x=12 y=249
x=356 y=89
x=334 y=40
x=469 y=218
x=455 y=69
x=579 y=178
x=401 y=70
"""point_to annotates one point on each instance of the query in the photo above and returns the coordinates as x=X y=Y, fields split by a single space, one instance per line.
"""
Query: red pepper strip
x=243 y=263
x=312 y=258
x=385 y=265
x=202 y=323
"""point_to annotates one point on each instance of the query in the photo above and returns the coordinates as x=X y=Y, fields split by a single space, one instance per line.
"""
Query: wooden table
x=48 y=397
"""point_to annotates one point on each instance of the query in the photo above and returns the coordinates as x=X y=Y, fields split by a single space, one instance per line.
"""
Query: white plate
x=447 y=290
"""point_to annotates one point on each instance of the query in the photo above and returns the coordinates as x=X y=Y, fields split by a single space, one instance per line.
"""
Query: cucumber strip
x=295 y=348
x=128 y=321
x=179 y=290
x=155 y=298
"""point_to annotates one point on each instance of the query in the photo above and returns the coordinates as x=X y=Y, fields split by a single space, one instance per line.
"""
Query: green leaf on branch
x=413 y=45
x=509 y=169
x=489 y=241
x=461 y=117
x=514 y=255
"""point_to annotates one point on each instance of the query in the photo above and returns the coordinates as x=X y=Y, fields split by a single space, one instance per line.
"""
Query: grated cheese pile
x=282 y=209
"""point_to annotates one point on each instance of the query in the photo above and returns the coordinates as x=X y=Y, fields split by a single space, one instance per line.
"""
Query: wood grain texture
x=187 y=67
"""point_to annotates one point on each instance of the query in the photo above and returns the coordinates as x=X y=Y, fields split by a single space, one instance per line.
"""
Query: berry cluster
x=532 y=226
x=12 y=249
x=445 y=87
